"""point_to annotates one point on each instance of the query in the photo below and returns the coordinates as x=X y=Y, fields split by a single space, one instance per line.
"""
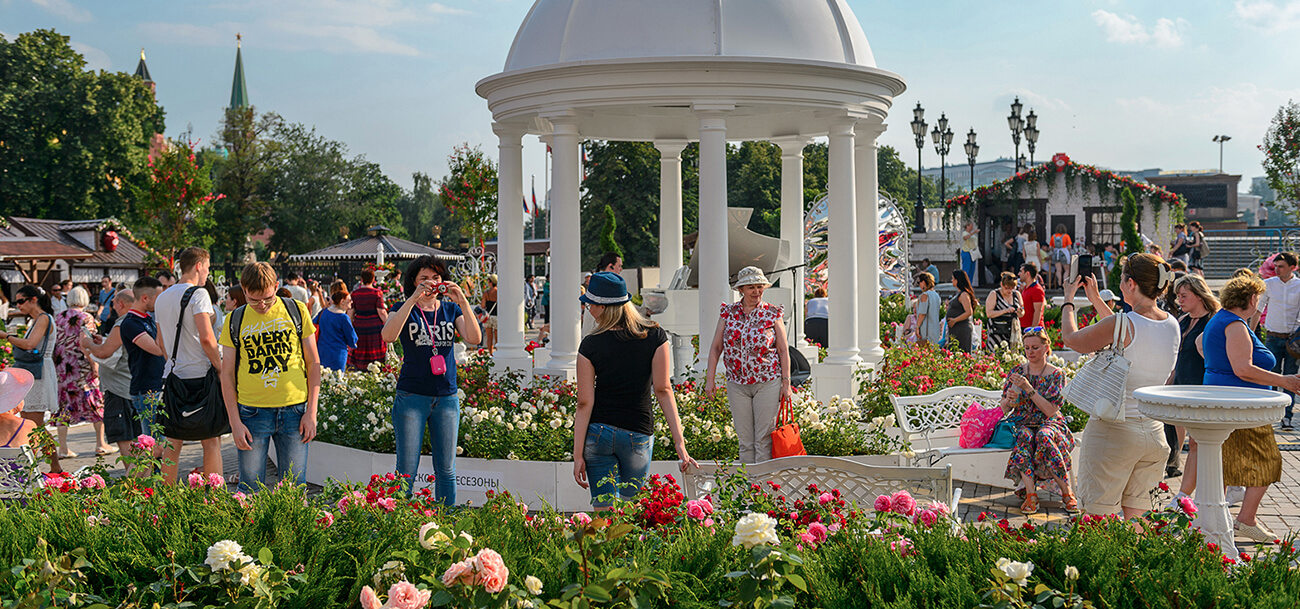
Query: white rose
x=1018 y=572
x=431 y=536
x=334 y=418
x=533 y=585
x=249 y=574
x=460 y=450
x=513 y=397
x=222 y=553
x=755 y=529
x=1071 y=572
x=555 y=423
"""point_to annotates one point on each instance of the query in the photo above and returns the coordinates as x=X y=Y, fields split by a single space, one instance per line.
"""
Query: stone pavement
x=1280 y=510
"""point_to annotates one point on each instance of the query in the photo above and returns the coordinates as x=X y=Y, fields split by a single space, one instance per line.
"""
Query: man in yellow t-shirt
x=270 y=379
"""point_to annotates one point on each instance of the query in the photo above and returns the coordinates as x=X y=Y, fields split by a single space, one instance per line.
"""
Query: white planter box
x=536 y=483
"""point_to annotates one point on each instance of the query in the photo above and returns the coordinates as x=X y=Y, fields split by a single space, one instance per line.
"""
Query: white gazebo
x=676 y=71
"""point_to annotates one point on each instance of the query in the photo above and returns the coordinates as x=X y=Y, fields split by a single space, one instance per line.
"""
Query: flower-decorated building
x=1082 y=198
x=42 y=251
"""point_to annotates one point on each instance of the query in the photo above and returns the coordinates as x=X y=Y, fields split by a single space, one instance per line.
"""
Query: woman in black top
x=1199 y=304
x=622 y=366
x=960 y=309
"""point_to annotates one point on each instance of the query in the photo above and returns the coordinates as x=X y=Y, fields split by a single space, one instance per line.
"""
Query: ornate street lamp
x=1017 y=125
x=942 y=137
x=1031 y=135
x=972 y=151
x=918 y=130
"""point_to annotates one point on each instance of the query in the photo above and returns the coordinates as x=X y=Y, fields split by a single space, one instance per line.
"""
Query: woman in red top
x=750 y=340
x=1061 y=244
x=368 y=316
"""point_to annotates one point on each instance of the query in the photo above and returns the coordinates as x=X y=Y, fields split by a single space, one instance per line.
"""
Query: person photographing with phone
x=428 y=324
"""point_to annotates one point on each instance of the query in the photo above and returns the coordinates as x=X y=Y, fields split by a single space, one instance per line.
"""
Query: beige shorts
x=1120 y=463
x=491 y=323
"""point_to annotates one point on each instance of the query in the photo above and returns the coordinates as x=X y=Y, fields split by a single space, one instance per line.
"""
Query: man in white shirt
x=197 y=350
x=56 y=298
x=1282 y=297
x=294 y=283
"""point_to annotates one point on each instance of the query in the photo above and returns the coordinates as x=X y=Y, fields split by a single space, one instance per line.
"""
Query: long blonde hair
x=1197 y=286
x=625 y=320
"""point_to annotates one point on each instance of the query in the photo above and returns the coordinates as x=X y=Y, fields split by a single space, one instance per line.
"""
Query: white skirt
x=44 y=396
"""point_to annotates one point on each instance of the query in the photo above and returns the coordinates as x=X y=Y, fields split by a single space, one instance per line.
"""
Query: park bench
x=18 y=473
x=859 y=483
x=935 y=419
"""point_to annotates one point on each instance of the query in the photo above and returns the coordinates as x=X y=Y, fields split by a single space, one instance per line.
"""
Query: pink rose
x=1187 y=505
x=195 y=479
x=884 y=504
x=903 y=503
x=707 y=505
x=902 y=545
x=490 y=571
x=818 y=531
x=404 y=595
x=216 y=481
x=708 y=522
x=92 y=481
x=695 y=510
x=808 y=538
x=388 y=503
x=459 y=573
x=927 y=518
x=939 y=508
x=369 y=600
x=326 y=520
x=581 y=519
x=144 y=442
x=825 y=498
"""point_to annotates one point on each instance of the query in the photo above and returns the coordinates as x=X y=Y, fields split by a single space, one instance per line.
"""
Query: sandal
x=68 y=455
x=1071 y=504
x=1030 y=506
x=1020 y=493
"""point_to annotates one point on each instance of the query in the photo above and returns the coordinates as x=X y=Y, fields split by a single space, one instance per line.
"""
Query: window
x=1103 y=225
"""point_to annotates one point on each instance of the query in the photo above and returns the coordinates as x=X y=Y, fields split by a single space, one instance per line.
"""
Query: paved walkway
x=1280 y=510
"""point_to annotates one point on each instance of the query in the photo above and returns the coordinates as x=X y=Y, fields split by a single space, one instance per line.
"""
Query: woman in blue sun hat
x=623 y=365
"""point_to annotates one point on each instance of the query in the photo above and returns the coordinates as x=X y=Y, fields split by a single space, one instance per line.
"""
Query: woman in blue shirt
x=336 y=333
x=427 y=324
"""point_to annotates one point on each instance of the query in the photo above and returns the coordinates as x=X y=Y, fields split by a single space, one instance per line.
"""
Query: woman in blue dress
x=336 y=332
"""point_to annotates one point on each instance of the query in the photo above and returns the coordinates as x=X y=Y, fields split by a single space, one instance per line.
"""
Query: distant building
x=1211 y=196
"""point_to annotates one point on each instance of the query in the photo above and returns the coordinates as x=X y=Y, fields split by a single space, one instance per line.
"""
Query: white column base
x=829 y=380
x=808 y=351
x=521 y=362
x=564 y=374
x=683 y=357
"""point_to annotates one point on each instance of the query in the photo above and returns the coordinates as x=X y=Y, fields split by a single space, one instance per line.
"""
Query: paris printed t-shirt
x=271 y=372
x=424 y=332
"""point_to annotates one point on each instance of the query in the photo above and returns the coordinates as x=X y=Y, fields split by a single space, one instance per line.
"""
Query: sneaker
x=1173 y=472
x=1257 y=533
x=1286 y=424
x=1234 y=494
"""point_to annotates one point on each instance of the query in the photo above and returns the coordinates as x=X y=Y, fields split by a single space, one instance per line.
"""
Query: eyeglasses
x=263 y=302
x=1032 y=330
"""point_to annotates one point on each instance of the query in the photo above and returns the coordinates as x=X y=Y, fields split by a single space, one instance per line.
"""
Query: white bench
x=18 y=472
x=936 y=419
x=859 y=483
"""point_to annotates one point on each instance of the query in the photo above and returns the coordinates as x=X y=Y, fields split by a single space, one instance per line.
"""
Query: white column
x=843 y=243
x=792 y=228
x=566 y=240
x=711 y=246
x=670 y=209
x=510 y=249
x=868 y=194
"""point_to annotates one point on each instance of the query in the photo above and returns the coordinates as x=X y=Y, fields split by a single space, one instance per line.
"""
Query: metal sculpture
x=895 y=273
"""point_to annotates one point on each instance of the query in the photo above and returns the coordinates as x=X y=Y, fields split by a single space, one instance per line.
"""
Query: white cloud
x=1035 y=101
x=187 y=33
x=95 y=58
x=1269 y=16
x=65 y=9
x=1127 y=29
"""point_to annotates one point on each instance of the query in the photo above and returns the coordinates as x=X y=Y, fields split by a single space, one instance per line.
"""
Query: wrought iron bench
x=935 y=418
x=859 y=483
x=18 y=473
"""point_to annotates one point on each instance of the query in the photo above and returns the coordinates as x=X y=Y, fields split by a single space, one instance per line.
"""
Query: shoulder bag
x=785 y=438
x=1098 y=387
x=193 y=409
x=33 y=361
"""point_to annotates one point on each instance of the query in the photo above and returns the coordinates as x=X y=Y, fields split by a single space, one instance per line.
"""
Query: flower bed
x=137 y=543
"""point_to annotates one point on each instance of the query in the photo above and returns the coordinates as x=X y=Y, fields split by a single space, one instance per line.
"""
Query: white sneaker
x=1234 y=494
x=1257 y=533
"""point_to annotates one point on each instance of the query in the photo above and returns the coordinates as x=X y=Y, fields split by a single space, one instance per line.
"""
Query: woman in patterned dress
x=750 y=340
x=1032 y=397
x=80 y=399
x=369 y=312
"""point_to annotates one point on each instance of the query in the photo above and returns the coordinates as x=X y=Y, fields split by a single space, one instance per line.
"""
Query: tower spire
x=238 y=90
x=142 y=72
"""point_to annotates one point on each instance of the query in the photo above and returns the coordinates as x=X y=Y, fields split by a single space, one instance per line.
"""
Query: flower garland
x=1102 y=178
x=123 y=231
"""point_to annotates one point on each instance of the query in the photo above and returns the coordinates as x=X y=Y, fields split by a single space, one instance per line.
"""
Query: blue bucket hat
x=605 y=289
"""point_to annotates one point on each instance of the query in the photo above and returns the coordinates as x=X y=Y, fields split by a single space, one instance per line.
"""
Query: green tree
x=607 y=242
x=623 y=176
x=416 y=208
x=1281 y=150
x=469 y=192
x=1128 y=226
x=73 y=143
x=175 y=211
x=754 y=181
x=244 y=175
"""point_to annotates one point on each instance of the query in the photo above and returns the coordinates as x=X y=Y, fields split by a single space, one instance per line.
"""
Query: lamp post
x=918 y=131
x=1221 y=139
x=1017 y=125
x=972 y=150
x=1031 y=135
x=942 y=137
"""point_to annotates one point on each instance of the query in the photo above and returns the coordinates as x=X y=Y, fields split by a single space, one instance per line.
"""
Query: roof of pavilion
x=366 y=248
x=43 y=239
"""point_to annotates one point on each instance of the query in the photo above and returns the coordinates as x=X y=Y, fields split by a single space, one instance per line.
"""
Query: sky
x=1122 y=84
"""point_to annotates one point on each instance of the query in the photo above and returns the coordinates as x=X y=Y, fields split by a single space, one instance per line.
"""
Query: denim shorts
x=620 y=455
x=147 y=406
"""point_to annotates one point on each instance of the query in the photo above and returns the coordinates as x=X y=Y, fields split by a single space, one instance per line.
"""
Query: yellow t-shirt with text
x=271 y=372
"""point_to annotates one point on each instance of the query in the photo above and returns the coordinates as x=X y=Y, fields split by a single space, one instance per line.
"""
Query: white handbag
x=1098 y=387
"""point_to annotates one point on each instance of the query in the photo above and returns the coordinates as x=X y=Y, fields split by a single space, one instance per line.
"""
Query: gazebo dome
x=565 y=31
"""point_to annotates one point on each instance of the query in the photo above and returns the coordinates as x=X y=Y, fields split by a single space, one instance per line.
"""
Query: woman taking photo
x=335 y=332
x=1004 y=308
x=42 y=334
x=926 y=307
x=1235 y=357
x=623 y=365
x=427 y=324
x=1031 y=400
x=1197 y=304
x=1119 y=463
x=960 y=309
x=750 y=340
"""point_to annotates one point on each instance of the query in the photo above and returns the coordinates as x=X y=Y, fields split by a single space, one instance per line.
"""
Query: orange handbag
x=785 y=438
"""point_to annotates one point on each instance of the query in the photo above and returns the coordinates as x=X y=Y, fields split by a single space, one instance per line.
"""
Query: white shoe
x=1257 y=533
x=1234 y=494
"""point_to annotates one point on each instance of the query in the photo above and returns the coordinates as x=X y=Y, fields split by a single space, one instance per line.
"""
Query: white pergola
x=676 y=71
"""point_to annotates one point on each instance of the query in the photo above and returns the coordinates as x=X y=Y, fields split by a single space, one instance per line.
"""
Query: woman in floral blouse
x=751 y=342
x=1032 y=397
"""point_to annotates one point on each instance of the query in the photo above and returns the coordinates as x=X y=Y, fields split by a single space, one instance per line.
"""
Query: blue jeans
x=413 y=412
x=146 y=407
x=615 y=452
x=1285 y=364
x=968 y=265
x=265 y=425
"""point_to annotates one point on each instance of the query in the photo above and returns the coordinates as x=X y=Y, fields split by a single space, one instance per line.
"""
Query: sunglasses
x=23 y=301
x=1032 y=330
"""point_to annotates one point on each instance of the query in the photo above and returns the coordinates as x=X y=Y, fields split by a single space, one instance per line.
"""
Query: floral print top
x=749 y=343
x=1049 y=385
